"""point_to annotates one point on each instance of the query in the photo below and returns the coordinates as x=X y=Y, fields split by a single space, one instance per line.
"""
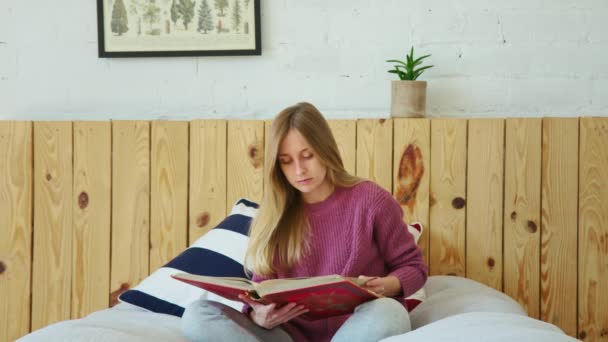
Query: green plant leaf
x=407 y=69
x=419 y=59
x=424 y=68
x=396 y=61
x=420 y=71
x=400 y=73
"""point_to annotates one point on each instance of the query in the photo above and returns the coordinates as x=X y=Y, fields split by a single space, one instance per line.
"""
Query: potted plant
x=408 y=96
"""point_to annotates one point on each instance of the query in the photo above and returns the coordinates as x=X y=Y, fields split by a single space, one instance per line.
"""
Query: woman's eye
x=307 y=156
x=284 y=161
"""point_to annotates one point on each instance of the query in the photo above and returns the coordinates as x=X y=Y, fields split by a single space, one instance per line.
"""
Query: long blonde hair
x=277 y=234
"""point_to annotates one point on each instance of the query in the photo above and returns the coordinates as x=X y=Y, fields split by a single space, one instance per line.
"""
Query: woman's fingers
x=269 y=316
x=366 y=279
x=375 y=284
x=286 y=313
x=285 y=308
x=254 y=304
x=294 y=313
x=278 y=314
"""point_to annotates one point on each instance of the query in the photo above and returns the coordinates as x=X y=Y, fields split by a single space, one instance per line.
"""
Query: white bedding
x=485 y=326
x=456 y=309
x=121 y=323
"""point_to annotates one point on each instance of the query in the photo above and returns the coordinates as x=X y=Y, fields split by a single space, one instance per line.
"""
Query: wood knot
x=411 y=170
x=432 y=200
x=382 y=121
x=604 y=332
x=458 y=203
x=202 y=219
x=513 y=216
x=253 y=152
x=532 y=228
x=83 y=200
x=2 y=267
x=48 y=177
x=491 y=262
x=255 y=156
x=582 y=335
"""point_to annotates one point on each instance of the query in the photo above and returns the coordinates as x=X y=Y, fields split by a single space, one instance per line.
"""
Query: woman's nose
x=300 y=168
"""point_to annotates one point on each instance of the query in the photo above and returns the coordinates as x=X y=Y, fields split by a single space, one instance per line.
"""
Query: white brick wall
x=492 y=58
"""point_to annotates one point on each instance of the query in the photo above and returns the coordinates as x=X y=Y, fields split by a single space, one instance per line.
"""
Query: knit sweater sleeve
x=401 y=254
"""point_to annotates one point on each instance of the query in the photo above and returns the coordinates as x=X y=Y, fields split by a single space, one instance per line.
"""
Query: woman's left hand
x=387 y=286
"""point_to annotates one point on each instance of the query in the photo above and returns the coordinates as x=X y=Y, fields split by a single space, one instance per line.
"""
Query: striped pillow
x=220 y=252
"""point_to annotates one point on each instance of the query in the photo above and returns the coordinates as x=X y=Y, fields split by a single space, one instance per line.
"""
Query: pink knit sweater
x=355 y=231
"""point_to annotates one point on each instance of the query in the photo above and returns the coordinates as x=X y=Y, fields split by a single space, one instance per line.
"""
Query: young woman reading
x=317 y=219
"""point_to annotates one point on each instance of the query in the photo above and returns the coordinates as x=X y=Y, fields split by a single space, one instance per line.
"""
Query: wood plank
x=593 y=230
x=374 y=151
x=522 y=213
x=447 y=197
x=91 y=205
x=168 y=192
x=207 y=176
x=411 y=173
x=245 y=161
x=130 y=205
x=485 y=177
x=267 y=126
x=345 y=133
x=559 y=223
x=52 y=259
x=15 y=228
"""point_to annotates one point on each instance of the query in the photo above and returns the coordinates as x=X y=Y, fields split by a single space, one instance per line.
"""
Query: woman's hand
x=269 y=316
x=387 y=286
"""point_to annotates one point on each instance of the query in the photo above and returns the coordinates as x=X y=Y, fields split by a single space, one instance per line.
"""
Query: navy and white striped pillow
x=220 y=252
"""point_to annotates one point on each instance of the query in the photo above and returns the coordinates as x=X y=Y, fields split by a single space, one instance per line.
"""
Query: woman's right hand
x=269 y=316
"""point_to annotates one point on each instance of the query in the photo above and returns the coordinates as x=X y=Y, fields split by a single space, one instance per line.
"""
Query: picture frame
x=171 y=28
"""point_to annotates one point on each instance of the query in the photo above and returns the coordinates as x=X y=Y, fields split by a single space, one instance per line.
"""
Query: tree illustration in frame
x=120 y=20
x=165 y=28
x=205 y=19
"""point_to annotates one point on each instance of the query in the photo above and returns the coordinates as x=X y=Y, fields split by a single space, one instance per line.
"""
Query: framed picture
x=164 y=28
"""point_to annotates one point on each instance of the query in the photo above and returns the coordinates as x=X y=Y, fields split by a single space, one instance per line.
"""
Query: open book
x=323 y=296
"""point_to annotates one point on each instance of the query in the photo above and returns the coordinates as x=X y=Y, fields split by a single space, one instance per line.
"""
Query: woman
x=317 y=219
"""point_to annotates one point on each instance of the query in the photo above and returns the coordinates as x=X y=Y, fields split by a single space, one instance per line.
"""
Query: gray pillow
x=451 y=295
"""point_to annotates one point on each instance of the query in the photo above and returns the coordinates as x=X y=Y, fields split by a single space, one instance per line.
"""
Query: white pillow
x=452 y=295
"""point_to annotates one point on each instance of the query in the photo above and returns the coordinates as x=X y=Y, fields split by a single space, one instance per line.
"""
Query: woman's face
x=302 y=168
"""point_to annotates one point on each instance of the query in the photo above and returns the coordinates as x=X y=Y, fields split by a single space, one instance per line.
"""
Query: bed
x=89 y=210
x=456 y=309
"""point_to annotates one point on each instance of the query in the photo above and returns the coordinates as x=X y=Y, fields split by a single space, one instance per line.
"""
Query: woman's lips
x=304 y=181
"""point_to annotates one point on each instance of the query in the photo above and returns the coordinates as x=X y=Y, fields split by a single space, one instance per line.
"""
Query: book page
x=232 y=282
x=285 y=284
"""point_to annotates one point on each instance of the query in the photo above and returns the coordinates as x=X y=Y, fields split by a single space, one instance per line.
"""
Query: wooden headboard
x=88 y=209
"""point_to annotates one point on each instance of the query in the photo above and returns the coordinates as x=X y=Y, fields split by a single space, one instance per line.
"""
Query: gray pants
x=205 y=320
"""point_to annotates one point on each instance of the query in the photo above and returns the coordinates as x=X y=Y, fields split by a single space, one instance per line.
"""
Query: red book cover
x=325 y=300
x=324 y=296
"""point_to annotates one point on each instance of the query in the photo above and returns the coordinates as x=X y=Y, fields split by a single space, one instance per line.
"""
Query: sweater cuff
x=246 y=310
x=412 y=279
